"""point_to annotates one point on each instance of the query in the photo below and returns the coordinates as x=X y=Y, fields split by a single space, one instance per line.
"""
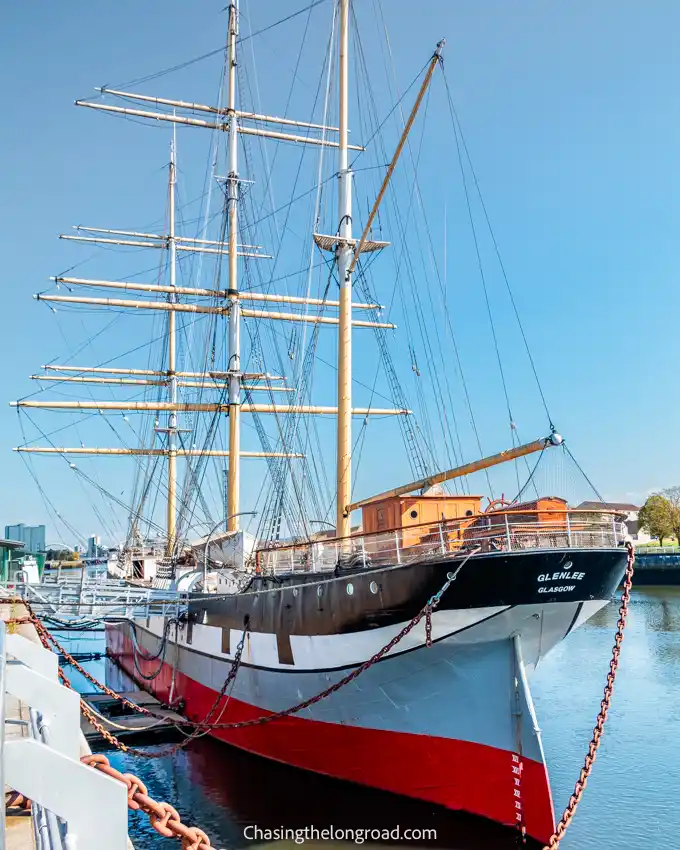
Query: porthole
x=414 y=514
x=567 y=565
x=295 y=591
x=349 y=588
x=319 y=591
x=373 y=587
x=468 y=513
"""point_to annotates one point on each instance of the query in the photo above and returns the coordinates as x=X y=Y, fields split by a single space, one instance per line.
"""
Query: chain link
x=164 y=818
x=605 y=704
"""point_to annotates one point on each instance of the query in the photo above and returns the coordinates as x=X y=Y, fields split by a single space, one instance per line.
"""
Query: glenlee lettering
x=560 y=576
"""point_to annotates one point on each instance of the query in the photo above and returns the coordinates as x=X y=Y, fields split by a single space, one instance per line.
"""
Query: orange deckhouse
x=413 y=515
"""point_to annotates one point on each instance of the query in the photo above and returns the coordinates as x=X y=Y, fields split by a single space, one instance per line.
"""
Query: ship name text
x=560 y=577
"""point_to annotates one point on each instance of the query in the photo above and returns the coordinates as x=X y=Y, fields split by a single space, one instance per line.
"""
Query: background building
x=631 y=517
x=8 y=550
x=94 y=547
x=32 y=536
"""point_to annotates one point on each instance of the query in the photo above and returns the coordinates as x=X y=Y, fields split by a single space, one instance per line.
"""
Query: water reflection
x=654 y=608
x=631 y=797
x=224 y=791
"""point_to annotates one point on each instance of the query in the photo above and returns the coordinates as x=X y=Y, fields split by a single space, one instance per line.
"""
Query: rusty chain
x=72 y=661
x=579 y=787
x=205 y=724
x=164 y=818
x=428 y=626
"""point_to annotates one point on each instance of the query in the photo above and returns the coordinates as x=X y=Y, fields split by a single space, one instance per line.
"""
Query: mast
x=172 y=363
x=234 y=364
x=344 y=256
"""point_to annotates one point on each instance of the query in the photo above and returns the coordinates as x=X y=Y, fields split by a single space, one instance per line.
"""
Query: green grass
x=667 y=541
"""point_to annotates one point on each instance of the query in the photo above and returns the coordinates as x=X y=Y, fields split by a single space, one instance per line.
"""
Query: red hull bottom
x=458 y=775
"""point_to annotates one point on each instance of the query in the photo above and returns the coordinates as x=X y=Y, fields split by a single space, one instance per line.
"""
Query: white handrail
x=45 y=767
x=505 y=531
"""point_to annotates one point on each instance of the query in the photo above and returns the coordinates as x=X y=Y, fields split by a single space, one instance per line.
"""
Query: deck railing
x=93 y=598
x=497 y=531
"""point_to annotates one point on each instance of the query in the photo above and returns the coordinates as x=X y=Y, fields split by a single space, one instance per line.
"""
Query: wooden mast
x=347 y=251
x=344 y=258
x=234 y=364
x=172 y=363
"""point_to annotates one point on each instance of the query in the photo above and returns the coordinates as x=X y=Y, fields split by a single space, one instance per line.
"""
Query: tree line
x=660 y=514
x=61 y=555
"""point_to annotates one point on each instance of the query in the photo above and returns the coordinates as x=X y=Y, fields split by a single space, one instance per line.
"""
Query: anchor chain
x=579 y=787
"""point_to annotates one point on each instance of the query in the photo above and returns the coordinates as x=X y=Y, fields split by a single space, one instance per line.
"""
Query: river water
x=630 y=803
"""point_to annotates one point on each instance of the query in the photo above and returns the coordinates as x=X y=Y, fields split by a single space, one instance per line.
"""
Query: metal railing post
x=507 y=533
x=441 y=539
x=396 y=544
x=568 y=530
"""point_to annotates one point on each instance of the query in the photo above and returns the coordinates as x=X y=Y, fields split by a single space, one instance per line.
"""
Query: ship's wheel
x=495 y=504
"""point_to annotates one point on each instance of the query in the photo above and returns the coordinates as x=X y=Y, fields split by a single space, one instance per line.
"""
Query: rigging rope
x=456 y=123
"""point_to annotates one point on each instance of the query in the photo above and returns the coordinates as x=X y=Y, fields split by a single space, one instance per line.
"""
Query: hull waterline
x=452 y=724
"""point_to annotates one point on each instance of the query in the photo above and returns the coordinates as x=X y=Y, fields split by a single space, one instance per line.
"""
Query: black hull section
x=326 y=603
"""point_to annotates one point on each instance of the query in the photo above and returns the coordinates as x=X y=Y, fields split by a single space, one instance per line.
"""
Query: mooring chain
x=164 y=818
x=605 y=704
x=205 y=724
x=426 y=611
x=71 y=660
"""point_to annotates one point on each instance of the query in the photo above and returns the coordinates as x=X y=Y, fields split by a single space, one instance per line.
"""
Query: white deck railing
x=73 y=806
x=94 y=598
x=499 y=531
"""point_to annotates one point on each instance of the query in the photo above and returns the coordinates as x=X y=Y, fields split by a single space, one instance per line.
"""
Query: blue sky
x=571 y=116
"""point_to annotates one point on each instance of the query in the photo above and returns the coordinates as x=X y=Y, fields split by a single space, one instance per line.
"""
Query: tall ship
x=353 y=606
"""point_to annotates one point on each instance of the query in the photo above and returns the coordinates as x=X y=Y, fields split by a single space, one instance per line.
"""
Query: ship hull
x=452 y=723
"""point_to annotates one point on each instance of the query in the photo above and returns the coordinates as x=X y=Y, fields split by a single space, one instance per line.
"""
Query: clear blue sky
x=572 y=117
